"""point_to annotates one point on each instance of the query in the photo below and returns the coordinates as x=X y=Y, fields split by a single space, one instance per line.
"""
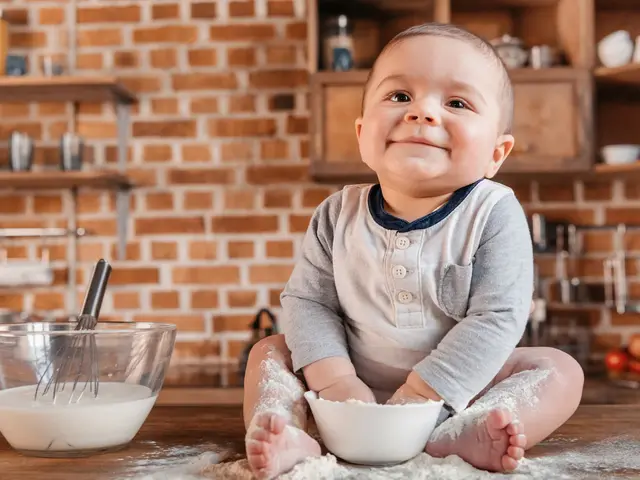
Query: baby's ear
x=504 y=145
x=358 y=127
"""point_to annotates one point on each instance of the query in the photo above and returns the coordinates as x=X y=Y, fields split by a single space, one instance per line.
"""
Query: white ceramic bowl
x=374 y=434
x=616 y=49
x=620 y=154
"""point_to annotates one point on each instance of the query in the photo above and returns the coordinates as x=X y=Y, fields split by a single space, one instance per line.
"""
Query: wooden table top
x=174 y=434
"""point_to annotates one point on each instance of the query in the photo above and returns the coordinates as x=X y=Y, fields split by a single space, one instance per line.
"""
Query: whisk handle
x=95 y=293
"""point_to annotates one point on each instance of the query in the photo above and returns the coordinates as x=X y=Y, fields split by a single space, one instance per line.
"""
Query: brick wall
x=220 y=147
x=219 y=142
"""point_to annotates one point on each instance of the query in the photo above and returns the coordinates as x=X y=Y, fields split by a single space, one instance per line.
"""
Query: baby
x=419 y=287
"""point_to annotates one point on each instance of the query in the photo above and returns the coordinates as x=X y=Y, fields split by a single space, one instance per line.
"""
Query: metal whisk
x=75 y=360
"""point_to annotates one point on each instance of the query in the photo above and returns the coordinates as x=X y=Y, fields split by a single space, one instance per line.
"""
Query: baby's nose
x=423 y=118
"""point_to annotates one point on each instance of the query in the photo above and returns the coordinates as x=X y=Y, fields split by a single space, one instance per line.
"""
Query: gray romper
x=447 y=295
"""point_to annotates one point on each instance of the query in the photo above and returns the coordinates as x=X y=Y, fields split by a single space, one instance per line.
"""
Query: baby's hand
x=346 y=388
x=414 y=390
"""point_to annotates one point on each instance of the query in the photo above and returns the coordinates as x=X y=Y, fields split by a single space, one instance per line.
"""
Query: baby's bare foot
x=496 y=443
x=273 y=447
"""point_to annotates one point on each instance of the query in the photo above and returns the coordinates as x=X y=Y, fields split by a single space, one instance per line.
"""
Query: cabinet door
x=336 y=102
x=552 y=121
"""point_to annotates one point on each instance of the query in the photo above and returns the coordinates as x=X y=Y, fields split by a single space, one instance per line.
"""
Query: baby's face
x=431 y=116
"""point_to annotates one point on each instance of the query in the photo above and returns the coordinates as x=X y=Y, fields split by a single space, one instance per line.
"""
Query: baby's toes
x=518 y=440
x=515 y=428
x=515 y=452
x=509 y=463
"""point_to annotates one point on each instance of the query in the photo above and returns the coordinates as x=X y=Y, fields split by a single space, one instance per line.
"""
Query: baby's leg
x=536 y=391
x=275 y=411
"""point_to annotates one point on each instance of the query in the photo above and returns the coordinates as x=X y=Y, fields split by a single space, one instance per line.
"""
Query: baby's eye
x=399 y=97
x=457 y=104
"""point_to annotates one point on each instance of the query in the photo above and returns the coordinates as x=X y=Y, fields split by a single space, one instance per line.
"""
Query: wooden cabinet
x=552 y=121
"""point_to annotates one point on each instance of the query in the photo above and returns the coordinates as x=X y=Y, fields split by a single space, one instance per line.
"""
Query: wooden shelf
x=625 y=75
x=103 y=179
x=64 y=89
x=605 y=169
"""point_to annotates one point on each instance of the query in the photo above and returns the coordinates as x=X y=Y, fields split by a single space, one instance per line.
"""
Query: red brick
x=274 y=298
x=197 y=200
x=269 y=273
x=12 y=301
x=89 y=61
x=281 y=55
x=206 y=275
x=203 y=57
x=625 y=319
x=239 y=199
x=231 y=323
x=204 y=81
x=55 y=252
x=240 y=249
x=240 y=32
x=203 y=250
x=244 y=8
x=126 y=300
x=597 y=241
x=312 y=197
x=42 y=203
x=134 y=275
x=280 y=8
x=242 y=298
x=165 y=128
x=278 y=198
x=598 y=190
x=578 y=215
x=245 y=127
x=236 y=152
x=99 y=37
x=159 y=201
x=22 y=109
x=299 y=223
x=204 y=105
x=47 y=301
x=278 y=79
x=142 y=177
x=629 y=215
x=142 y=84
x=164 y=250
x=196 y=153
x=17 y=16
x=165 y=106
x=203 y=10
x=242 y=104
x=632 y=240
x=166 y=225
x=265 y=175
x=557 y=193
x=279 y=249
x=30 y=40
x=297 y=125
x=244 y=224
x=33 y=129
x=167 y=11
x=296 y=31
x=14 y=204
x=157 y=153
x=204 y=299
x=88 y=252
x=241 y=56
x=109 y=14
x=132 y=250
x=210 y=176
x=126 y=59
x=166 y=34
x=603 y=342
x=274 y=149
x=183 y=322
x=90 y=202
x=99 y=227
x=51 y=16
x=163 y=58
x=165 y=300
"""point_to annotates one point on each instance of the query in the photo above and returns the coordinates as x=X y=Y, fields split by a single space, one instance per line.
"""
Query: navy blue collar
x=390 y=222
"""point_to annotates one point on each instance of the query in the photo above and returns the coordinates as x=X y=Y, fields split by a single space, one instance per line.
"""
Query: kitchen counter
x=194 y=385
x=174 y=434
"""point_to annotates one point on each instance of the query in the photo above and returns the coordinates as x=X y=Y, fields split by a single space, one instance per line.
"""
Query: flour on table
x=595 y=461
x=512 y=393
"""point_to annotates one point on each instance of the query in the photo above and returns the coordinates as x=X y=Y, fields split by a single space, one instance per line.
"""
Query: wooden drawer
x=552 y=121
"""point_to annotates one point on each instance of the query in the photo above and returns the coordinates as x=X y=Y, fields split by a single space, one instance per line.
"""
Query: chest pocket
x=454 y=288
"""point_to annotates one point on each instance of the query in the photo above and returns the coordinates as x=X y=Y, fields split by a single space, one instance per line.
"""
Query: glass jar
x=337 y=44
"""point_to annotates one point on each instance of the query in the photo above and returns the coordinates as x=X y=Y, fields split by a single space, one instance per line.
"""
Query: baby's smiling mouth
x=417 y=141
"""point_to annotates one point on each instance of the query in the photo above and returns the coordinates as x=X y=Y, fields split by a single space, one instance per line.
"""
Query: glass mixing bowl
x=67 y=393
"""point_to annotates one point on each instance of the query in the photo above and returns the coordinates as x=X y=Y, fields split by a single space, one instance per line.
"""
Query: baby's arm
x=475 y=350
x=312 y=318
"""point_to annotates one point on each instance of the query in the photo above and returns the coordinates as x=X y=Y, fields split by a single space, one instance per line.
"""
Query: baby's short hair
x=452 y=31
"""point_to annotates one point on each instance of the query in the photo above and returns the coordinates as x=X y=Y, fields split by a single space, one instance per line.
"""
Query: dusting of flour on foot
x=488 y=434
x=276 y=440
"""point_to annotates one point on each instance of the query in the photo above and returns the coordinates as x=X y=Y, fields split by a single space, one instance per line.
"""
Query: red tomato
x=634 y=366
x=617 y=360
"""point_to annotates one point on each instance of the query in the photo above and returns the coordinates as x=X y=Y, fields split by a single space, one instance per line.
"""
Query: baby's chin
x=417 y=168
